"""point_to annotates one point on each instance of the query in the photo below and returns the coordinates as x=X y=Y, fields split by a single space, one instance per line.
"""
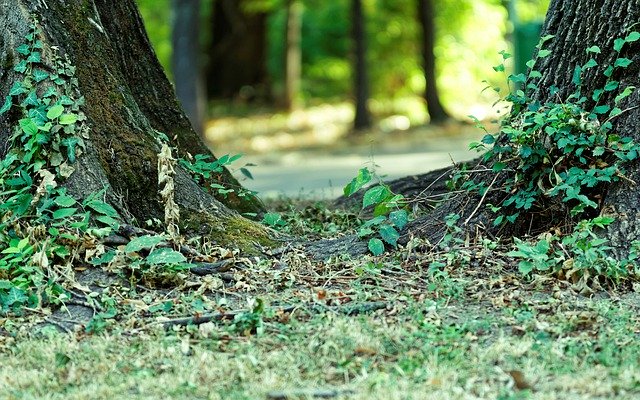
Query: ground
x=401 y=326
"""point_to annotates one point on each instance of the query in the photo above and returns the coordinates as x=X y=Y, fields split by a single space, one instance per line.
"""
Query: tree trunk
x=237 y=66
x=293 y=55
x=435 y=109
x=360 y=71
x=186 y=60
x=128 y=102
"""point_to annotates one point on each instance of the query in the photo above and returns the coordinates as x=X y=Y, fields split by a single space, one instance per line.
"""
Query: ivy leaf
x=613 y=85
x=28 y=126
x=17 y=89
x=15 y=296
x=6 y=106
x=376 y=247
x=55 y=111
x=594 y=49
x=68 y=119
x=618 y=44
x=39 y=75
x=34 y=57
x=23 y=49
x=590 y=64
x=375 y=195
x=21 y=67
x=70 y=144
x=165 y=256
x=246 y=173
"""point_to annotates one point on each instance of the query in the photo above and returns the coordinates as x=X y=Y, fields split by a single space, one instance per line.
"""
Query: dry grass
x=472 y=331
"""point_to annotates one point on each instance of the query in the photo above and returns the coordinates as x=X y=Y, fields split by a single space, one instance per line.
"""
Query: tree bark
x=435 y=109
x=237 y=66
x=128 y=101
x=185 y=60
x=293 y=55
x=360 y=70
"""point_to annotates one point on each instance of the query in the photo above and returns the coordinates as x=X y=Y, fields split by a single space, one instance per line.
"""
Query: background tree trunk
x=293 y=54
x=185 y=60
x=360 y=70
x=435 y=109
x=237 y=53
x=128 y=99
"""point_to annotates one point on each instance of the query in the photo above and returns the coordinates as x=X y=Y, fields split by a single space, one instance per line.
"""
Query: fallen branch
x=349 y=309
x=307 y=393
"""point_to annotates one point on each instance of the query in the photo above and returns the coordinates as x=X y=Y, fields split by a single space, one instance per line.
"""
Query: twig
x=306 y=393
x=349 y=310
x=481 y=200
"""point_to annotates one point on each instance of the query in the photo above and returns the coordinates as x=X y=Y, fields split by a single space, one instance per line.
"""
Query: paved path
x=318 y=175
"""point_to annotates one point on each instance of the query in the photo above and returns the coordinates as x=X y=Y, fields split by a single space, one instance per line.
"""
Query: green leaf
x=389 y=234
x=143 y=242
x=64 y=201
x=39 y=75
x=613 y=85
x=34 y=57
x=618 y=44
x=364 y=177
x=109 y=221
x=622 y=62
x=375 y=195
x=15 y=296
x=603 y=109
x=544 y=53
x=21 y=67
x=6 y=106
x=246 y=173
x=23 y=49
x=590 y=64
x=68 y=119
x=165 y=256
x=64 y=213
x=626 y=92
x=28 y=126
x=399 y=218
x=103 y=208
x=55 y=111
x=376 y=247
x=594 y=49
x=17 y=89
x=632 y=37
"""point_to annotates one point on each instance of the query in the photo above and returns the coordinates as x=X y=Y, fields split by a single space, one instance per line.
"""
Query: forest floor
x=420 y=322
x=417 y=323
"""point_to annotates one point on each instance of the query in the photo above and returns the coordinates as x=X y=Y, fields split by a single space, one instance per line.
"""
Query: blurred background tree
x=261 y=56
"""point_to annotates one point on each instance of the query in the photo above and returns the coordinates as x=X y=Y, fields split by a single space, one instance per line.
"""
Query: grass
x=474 y=329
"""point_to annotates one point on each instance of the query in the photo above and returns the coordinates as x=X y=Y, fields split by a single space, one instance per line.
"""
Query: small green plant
x=564 y=150
x=389 y=211
x=204 y=168
x=582 y=254
x=273 y=220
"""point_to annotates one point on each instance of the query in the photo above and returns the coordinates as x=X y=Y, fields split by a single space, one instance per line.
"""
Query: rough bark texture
x=185 y=60
x=360 y=71
x=237 y=54
x=128 y=98
x=435 y=109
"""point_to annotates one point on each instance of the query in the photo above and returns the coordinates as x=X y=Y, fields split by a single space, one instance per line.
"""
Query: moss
x=232 y=232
